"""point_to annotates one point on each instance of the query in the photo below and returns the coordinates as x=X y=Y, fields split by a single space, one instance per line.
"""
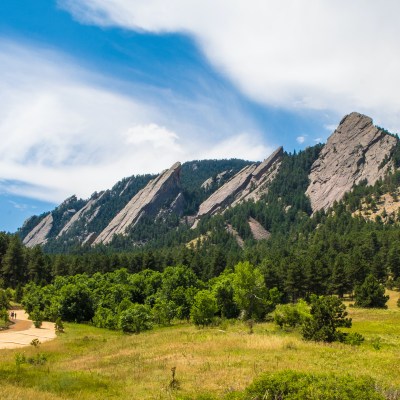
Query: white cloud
x=335 y=55
x=64 y=130
x=300 y=139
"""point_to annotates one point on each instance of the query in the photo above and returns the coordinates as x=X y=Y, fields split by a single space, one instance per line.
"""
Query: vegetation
x=327 y=313
x=90 y=363
x=371 y=294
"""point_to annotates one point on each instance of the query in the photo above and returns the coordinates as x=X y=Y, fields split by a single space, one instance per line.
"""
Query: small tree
x=37 y=318
x=327 y=314
x=59 y=326
x=371 y=294
x=204 y=308
x=136 y=319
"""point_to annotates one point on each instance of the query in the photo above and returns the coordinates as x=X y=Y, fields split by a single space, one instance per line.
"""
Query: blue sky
x=96 y=90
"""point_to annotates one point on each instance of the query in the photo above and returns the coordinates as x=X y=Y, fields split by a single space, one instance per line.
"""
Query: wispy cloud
x=300 y=139
x=66 y=130
x=340 y=56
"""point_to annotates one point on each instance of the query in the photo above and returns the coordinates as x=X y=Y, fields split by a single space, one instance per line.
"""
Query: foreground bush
x=291 y=385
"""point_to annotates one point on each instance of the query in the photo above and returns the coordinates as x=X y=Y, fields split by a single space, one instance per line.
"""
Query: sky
x=92 y=91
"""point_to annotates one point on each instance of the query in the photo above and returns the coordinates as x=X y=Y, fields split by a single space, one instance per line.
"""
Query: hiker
x=12 y=315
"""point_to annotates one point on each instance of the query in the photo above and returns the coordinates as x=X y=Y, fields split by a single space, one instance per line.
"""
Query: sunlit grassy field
x=92 y=363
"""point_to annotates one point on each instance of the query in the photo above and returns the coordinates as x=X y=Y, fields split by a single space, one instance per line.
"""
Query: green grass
x=91 y=363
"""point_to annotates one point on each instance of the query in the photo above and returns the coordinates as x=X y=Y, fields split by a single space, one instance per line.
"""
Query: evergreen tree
x=14 y=269
x=327 y=314
x=371 y=294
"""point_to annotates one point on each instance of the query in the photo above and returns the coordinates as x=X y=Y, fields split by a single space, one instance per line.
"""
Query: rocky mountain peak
x=354 y=152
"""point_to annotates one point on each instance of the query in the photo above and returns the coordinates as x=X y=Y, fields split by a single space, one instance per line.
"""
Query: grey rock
x=353 y=153
x=38 y=235
x=149 y=200
x=249 y=183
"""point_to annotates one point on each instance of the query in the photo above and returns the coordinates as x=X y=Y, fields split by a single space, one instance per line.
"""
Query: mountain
x=353 y=153
x=245 y=200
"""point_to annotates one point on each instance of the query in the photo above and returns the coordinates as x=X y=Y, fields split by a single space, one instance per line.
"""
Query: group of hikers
x=13 y=315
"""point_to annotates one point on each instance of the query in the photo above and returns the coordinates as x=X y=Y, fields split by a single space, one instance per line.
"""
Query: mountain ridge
x=182 y=196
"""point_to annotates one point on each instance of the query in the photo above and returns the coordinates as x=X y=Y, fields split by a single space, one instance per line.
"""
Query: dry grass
x=90 y=363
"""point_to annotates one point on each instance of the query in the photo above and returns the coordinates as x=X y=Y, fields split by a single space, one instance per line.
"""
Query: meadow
x=92 y=363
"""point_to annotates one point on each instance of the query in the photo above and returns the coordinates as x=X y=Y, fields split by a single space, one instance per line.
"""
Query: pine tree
x=13 y=269
x=371 y=294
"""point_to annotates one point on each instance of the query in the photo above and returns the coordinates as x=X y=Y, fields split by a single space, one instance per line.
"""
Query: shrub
x=291 y=315
x=327 y=314
x=290 y=385
x=105 y=318
x=136 y=319
x=37 y=318
x=355 y=339
x=59 y=326
x=204 y=308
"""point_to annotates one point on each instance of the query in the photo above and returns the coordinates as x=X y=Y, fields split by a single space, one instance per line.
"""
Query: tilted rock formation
x=354 y=152
x=149 y=200
x=249 y=183
x=82 y=213
x=38 y=235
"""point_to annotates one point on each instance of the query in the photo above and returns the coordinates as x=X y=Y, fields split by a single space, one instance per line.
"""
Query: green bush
x=136 y=319
x=37 y=318
x=291 y=385
x=355 y=339
x=291 y=315
x=204 y=308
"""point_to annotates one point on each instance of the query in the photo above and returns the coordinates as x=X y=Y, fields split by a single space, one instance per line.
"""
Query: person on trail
x=15 y=315
x=12 y=315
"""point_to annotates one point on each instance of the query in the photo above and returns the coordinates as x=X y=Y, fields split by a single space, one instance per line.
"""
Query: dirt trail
x=23 y=332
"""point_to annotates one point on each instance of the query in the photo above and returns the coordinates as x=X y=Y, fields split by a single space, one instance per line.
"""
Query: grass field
x=91 y=363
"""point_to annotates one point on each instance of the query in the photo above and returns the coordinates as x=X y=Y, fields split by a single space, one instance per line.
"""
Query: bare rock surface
x=148 y=200
x=258 y=231
x=249 y=183
x=82 y=213
x=354 y=152
x=38 y=235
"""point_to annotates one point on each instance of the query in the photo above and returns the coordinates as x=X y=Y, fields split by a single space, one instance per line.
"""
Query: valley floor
x=91 y=363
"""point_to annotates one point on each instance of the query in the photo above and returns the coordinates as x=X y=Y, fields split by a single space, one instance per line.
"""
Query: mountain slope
x=353 y=153
x=228 y=197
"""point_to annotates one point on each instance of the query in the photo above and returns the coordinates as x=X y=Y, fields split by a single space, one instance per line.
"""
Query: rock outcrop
x=249 y=183
x=356 y=151
x=38 y=235
x=84 y=212
x=165 y=187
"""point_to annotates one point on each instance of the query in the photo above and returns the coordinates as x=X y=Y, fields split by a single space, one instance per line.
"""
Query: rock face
x=148 y=201
x=84 y=212
x=38 y=235
x=249 y=183
x=354 y=152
